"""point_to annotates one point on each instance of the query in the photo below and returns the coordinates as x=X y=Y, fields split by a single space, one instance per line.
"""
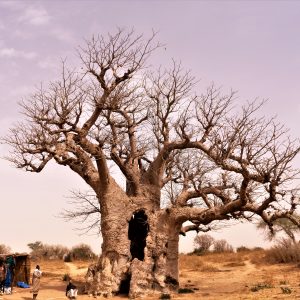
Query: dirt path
x=74 y=270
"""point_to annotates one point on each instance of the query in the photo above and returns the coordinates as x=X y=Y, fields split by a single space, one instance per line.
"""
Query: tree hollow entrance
x=137 y=233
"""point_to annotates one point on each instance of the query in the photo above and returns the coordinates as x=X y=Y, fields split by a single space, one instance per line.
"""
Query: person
x=71 y=290
x=10 y=273
x=2 y=276
x=36 y=281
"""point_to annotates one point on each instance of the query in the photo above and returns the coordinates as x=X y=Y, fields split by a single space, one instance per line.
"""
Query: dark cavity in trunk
x=137 y=233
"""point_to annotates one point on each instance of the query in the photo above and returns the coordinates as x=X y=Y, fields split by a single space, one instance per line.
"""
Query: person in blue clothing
x=10 y=272
x=8 y=281
x=2 y=276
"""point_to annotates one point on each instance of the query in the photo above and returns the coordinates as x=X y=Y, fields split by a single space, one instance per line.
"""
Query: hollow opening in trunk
x=125 y=285
x=137 y=233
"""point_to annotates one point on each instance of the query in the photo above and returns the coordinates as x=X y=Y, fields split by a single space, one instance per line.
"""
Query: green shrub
x=82 y=252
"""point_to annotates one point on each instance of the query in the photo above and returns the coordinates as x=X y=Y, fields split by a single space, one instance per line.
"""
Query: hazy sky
x=252 y=47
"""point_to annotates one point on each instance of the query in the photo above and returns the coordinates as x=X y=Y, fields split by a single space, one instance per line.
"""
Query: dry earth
x=210 y=277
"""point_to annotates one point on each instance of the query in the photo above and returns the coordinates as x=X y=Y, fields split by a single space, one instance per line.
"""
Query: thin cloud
x=21 y=91
x=35 y=16
x=48 y=63
x=13 y=5
x=2 y=27
x=62 y=35
x=13 y=53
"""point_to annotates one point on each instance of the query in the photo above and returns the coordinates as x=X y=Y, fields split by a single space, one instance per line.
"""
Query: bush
x=286 y=290
x=285 y=251
x=79 y=252
x=55 y=251
x=165 y=296
x=258 y=249
x=242 y=249
x=40 y=250
x=4 y=249
x=185 y=291
x=261 y=286
x=221 y=246
x=66 y=277
x=198 y=252
x=82 y=252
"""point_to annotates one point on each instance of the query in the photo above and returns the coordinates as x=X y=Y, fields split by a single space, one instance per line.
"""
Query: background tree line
x=46 y=251
x=284 y=234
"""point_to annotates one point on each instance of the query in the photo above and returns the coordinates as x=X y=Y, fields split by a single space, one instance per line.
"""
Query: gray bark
x=122 y=268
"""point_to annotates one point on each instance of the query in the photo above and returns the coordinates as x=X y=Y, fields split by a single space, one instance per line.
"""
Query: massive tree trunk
x=139 y=250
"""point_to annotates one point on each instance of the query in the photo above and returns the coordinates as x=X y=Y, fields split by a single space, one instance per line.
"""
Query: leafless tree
x=4 y=249
x=203 y=242
x=213 y=161
x=221 y=246
x=85 y=210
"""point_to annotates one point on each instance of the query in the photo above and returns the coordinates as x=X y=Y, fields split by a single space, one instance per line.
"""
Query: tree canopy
x=211 y=160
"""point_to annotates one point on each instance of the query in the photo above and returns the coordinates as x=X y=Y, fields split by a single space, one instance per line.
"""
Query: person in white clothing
x=36 y=281
x=71 y=290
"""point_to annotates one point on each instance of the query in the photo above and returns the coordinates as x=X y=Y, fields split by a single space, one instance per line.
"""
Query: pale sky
x=249 y=46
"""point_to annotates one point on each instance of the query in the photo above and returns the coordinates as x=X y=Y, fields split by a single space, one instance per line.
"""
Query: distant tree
x=203 y=242
x=36 y=246
x=38 y=249
x=183 y=156
x=222 y=246
x=4 y=249
x=242 y=249
x=54 y=251
x=281 y=225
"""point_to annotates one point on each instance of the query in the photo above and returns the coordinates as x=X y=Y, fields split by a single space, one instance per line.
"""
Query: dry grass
x=242 y=275
x=283 y=253
x=196 y=264
x=233 y=276
x=51 y=268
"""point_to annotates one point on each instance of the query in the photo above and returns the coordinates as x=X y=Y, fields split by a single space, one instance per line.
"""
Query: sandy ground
x=208 y=279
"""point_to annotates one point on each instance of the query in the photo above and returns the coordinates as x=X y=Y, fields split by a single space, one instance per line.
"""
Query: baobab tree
x=184 y=156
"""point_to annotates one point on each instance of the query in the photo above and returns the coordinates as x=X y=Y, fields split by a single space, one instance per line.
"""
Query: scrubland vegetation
x=40 y=250
x=45 y=251
x=242 y=274
x=284 y=250
x=212 y=271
